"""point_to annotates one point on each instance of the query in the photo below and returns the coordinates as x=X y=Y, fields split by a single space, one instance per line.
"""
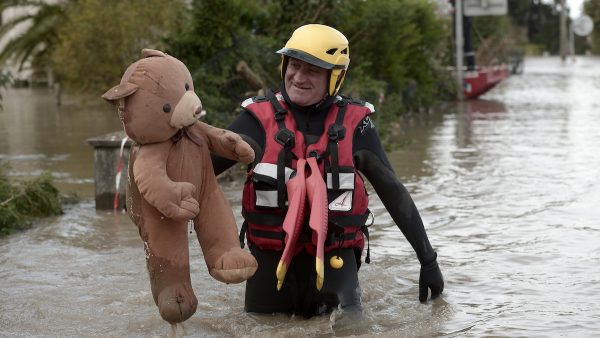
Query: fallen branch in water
x=8 y=200
x=22 y=201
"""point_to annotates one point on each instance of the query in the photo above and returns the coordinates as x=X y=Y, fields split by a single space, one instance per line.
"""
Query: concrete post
x=106 y=160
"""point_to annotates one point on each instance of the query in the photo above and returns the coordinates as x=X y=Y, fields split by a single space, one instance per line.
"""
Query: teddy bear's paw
x=177 y=303
x=235 y=266
x=241 y=150
x=185 y=207
x=245 y=153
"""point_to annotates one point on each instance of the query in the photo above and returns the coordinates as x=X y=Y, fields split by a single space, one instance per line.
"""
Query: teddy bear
x=171 y=181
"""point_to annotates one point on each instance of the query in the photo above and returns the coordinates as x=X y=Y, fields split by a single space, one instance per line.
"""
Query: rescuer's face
x=305 y=84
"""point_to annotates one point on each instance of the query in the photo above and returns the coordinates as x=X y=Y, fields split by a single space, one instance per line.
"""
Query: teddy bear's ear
x=147 y=52
x=119 y=92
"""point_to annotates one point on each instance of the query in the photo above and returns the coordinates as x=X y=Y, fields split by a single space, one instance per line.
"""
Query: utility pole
x=571 y=41
x=459 y=45
x=563 y=31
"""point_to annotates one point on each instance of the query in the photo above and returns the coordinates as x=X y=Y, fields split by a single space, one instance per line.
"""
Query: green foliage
x=398 y=42
x=539 y=21
x=20 y=202
x=99 y=39
x=394 y=45
x=41 y=36
x=287 y=15
x=493 y=39
x=219 y=35
x=5 y=79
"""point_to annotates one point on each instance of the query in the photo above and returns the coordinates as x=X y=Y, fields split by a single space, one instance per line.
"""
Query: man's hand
x=430 y=278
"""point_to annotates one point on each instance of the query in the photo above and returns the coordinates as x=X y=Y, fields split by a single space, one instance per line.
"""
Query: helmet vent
x=331 y=51
x=345 y=51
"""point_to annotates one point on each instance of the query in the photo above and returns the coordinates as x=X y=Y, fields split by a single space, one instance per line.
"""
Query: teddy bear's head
x=155 y=98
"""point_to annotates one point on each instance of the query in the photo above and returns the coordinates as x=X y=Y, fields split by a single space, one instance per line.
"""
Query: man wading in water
x=304 y=203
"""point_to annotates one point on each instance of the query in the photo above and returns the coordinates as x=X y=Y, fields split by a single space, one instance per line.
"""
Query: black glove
x=430 y=278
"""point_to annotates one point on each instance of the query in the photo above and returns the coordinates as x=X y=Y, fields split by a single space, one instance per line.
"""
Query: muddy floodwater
x=508 y=187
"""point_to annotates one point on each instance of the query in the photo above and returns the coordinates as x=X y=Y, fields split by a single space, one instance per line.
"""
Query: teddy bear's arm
x=226 y=143
x=173 y=199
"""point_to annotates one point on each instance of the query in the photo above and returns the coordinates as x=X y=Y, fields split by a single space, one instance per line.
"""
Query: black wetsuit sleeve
x=370 y=159
x=251 y=131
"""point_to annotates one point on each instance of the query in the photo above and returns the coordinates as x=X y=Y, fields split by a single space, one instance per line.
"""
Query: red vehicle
x=477 y=82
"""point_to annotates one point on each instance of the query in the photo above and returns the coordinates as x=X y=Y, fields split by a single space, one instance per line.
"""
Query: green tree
x=398 y=43
x=394 y=46
x=493 y=39
x=100 y=38
x=35 y=43
x=287 y=15
x=541 y=20
x=220 y=35
x=4 y=80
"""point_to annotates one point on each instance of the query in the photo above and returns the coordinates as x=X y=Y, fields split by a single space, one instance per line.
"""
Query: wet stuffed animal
x=171 y=181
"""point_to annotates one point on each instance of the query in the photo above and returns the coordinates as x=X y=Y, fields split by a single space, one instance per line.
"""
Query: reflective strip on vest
x=266 y=198
x=346 y=181
x=270 y=169
x=247 y=102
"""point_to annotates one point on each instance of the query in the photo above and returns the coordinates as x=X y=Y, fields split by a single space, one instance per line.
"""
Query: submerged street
x=508 y=187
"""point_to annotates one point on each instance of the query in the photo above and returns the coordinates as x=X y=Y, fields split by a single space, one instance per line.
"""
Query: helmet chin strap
x=338 y=81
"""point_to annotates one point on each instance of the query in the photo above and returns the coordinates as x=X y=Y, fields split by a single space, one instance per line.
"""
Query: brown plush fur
x=171 y=181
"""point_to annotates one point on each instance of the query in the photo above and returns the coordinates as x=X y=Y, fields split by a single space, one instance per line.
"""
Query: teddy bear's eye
x=187 y=86
x=167 y=108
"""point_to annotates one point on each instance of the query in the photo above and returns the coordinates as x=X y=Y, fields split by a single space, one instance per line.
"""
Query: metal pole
x=572 y=41
x=459 y=41
x=563 y=31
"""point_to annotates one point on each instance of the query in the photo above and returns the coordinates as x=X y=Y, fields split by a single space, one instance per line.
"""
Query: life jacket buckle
x=285 y=137
x=315 y=154
x=336 y=132
x=280 y=115
x=342 y=102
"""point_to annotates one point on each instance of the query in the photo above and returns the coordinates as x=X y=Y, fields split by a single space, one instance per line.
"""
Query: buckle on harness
x=336 y=132
x=280 y=114
x=315 y=154
x=285 y=137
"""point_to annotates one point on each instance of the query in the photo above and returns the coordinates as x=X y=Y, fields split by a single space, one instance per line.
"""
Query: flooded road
x=508 y=188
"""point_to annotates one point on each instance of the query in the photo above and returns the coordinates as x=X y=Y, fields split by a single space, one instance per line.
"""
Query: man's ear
x=120 y=91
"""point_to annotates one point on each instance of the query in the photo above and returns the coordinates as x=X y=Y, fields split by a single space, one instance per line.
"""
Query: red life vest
x=264 y=202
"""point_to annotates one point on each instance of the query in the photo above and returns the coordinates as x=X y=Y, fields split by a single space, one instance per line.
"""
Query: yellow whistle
x=336 y=262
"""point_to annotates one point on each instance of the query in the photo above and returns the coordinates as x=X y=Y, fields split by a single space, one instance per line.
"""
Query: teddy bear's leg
x=167 y=258
x=218 y=236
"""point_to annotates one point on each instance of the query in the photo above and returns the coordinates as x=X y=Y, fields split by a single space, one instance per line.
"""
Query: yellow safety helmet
x=322 y=46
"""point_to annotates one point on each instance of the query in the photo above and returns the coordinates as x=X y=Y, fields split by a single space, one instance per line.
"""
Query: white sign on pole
x=485 y=7
x=583 y=25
